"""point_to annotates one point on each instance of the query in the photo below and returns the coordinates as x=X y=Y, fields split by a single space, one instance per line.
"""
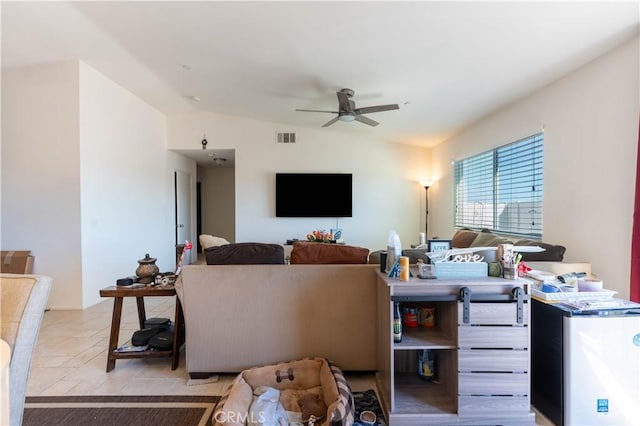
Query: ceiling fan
x=347 y=110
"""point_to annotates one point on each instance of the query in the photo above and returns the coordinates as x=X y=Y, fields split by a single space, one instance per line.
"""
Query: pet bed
x=304 y=386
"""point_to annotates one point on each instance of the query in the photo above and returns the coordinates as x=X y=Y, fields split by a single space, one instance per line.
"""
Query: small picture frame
x=439 y=245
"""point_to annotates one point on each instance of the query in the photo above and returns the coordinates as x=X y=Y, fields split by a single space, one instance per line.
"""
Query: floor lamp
x=426 y=185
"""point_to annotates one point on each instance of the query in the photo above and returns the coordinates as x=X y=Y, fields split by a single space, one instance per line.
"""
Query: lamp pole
x=426 y=209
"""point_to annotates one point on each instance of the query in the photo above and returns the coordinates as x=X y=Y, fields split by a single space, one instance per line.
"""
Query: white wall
x=78 y=151
x=126 y=184
x=41 y=173
x=386 y=192
x=590 y=120
x=218 y=201
x=87 y=180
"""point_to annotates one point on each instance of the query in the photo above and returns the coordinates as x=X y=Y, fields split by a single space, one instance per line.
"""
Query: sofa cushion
x=245 y=254
x=305 y=252
x=488 y=239
x=415 y=254
x=463 y=238
x=552 y=253
x=374 y=256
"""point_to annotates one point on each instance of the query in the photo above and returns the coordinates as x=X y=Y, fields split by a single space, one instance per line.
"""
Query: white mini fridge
x=596 y=356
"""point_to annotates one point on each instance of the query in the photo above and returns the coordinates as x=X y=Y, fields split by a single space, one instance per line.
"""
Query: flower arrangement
x=320 y=236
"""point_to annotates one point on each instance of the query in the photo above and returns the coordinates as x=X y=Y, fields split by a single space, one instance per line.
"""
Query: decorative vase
x=147 y=269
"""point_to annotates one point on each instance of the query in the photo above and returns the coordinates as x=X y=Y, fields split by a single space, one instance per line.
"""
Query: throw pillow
x=207 y=241
x=304 y=252
x=463 y=238
x=245 y=254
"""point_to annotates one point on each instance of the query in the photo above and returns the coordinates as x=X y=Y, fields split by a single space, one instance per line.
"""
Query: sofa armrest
x=24 y=299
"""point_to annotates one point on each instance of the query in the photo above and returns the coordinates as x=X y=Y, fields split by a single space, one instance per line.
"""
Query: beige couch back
x=241 y=316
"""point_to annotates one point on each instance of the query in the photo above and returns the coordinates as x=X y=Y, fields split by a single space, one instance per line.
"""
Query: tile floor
x=71 y=355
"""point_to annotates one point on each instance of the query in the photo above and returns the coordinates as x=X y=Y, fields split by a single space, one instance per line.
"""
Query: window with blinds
x=501 y=189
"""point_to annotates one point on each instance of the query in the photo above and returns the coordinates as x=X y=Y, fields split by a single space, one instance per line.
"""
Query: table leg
x=115 y=332
x=142 y=315
x=178 y=336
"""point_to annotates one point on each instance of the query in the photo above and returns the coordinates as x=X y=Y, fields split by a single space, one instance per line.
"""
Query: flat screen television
x=313 y=195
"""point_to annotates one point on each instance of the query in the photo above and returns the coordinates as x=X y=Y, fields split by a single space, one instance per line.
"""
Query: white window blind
x=502 y=189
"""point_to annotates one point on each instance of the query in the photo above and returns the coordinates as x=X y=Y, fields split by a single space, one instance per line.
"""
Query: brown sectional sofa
x=550 y=260
x=302 y=252
x=464 y=238
x=246 y=307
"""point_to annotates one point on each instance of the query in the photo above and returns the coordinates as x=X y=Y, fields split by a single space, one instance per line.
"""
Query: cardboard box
x=17 y=262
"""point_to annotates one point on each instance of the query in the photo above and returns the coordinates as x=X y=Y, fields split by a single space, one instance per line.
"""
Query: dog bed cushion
x=295 y=380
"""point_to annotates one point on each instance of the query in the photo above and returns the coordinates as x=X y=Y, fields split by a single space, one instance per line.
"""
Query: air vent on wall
x=285 y=137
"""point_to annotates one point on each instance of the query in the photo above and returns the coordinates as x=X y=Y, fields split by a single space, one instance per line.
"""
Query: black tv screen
x=313 y=195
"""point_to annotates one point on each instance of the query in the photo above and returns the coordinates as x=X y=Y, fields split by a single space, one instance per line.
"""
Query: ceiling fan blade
x=366 y=120
x=317 y=110
x=333 y=120
x=377 y=108
x=343 y=102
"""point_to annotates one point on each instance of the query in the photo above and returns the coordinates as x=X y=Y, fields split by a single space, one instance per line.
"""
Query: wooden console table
x=479 y=343
x=118 y=294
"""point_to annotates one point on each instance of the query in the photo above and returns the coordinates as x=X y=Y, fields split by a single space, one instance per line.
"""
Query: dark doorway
x=199 y=214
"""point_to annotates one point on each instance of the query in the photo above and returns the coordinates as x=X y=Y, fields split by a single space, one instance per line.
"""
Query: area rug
x=145 y=410
x=118 y=410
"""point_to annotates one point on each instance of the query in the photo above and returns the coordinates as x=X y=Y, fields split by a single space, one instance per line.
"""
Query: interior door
x=183 y=207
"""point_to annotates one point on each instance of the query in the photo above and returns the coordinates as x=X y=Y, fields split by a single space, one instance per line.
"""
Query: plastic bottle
x=404 y=268
x=394 y=249
x=397 y=323
x=426 y=364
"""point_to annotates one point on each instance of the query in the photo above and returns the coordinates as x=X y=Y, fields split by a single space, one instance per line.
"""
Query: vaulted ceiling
x=446 y=64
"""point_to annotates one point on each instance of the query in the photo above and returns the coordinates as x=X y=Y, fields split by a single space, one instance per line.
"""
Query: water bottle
x=426 y=364
x=394 y=249
x=397 y=323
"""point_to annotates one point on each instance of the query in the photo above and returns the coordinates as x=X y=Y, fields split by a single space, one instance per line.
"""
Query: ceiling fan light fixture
x=219 y=161
x=347 y=110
